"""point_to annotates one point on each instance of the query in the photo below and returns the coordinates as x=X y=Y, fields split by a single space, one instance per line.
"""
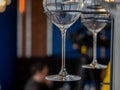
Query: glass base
x=63 y=78
x=94 y=66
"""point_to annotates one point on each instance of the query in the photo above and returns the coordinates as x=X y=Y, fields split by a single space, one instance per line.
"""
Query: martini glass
x=62 y=13
x=95 y=22
x=94 y=26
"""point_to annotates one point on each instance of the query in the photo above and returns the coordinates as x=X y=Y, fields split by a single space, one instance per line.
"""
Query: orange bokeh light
x=22 y=6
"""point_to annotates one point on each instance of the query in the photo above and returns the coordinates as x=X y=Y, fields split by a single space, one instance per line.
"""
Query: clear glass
x=62 y=13
x=95 y=23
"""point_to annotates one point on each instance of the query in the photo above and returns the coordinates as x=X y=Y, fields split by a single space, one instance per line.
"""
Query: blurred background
x=27 y=36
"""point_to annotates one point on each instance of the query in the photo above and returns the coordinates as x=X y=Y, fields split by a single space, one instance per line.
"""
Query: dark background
x=8 y=29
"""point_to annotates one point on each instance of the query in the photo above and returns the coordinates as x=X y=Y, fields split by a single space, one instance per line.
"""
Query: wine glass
x=94 y=22
x=62 y=13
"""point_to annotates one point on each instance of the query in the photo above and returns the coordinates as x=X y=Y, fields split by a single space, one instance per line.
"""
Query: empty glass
x=62 y=13
x=95 y=22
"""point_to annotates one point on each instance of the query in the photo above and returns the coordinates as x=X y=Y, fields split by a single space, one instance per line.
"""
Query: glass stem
x=63 y=68
x=94 y=48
